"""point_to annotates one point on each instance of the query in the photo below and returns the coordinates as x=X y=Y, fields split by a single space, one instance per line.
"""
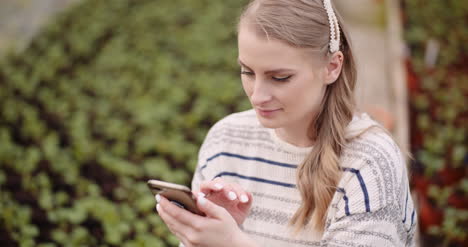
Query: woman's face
x=284 y=84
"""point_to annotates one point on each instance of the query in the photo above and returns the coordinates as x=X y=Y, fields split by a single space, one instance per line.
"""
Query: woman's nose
x=260 y=94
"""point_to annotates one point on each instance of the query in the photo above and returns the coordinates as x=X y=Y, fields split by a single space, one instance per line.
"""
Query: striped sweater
x=372 y=205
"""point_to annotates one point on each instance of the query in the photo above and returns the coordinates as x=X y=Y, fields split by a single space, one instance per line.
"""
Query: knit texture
x=372 y=205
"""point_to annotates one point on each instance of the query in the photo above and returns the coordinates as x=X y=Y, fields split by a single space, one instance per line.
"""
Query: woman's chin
x=268 y=123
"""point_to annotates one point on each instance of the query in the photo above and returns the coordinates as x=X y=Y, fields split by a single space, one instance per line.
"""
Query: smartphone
x=178 y=194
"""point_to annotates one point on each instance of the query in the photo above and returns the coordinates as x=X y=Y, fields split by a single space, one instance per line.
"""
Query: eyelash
x=285 y=79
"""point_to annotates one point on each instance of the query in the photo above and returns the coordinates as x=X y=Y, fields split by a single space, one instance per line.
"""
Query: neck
x=296 y=136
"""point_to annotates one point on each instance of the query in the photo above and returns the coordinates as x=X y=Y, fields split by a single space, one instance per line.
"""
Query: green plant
x=110 y=94
x=438 y=93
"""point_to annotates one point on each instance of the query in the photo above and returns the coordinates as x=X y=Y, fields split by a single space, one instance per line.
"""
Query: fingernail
x=244 y=198
x=218 y=186
x=201 y=194
x=158 y=198
x=157 y=207
x=201 y=200
x=232 y=196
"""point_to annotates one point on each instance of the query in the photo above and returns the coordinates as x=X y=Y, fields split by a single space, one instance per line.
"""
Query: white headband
x=334 y=27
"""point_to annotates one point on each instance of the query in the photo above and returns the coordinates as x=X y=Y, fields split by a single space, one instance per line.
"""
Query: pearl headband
x=334 y=27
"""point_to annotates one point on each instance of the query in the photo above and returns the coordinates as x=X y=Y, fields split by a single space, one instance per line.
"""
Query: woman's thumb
x=209 y=208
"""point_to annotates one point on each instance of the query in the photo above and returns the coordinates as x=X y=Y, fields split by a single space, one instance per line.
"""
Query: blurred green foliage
x=110 y=94
x=438 y=96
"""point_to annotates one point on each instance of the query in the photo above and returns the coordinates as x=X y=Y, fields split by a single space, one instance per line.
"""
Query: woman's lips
x=267 y=113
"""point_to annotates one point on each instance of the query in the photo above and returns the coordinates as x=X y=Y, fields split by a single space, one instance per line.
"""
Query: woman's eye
x=282 y=78
x=243 y=72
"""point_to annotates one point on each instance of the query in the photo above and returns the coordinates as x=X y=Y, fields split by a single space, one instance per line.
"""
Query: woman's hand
x=230 y=196
x=217 y=228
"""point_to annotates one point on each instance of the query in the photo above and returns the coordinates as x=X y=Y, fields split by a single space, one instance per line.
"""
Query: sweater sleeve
x=203 y=154
x=372 y=205
x=202 y=157
x=208 y=148
x=369 y=229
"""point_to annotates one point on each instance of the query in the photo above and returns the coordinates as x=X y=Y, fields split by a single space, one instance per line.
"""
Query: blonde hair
x=304 y=24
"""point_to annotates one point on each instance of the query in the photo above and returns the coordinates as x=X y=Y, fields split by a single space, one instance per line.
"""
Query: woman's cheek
x=247 y=87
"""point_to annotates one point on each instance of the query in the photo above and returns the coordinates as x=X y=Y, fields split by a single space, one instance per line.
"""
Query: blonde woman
x=304 y=167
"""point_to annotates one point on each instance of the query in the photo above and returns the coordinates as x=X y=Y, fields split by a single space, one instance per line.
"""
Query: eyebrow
x=269 y=71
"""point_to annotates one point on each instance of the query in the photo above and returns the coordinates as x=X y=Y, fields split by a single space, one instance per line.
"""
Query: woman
x=303 y=167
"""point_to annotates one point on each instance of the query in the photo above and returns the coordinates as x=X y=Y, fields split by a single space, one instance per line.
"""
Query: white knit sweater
x=371 y=207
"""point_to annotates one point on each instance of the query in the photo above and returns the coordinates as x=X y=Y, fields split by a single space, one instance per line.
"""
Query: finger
x=215 y=185
x=249 y=198
x=235 y=193
x=195 y=192
x=221 y=191
x=210 y=209
x=174 y=226
x=246 y=206
x=178 y=214
x=184 y=243
x=241 y=194
x=180 y=230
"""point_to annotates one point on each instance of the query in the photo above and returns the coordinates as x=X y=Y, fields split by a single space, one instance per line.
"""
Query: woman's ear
x=333 y=67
